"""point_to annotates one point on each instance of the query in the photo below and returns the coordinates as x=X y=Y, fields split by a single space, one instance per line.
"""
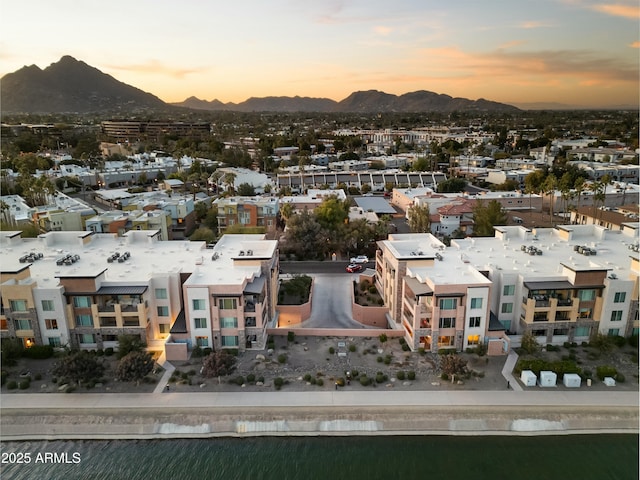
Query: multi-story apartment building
x=84 y=289
x=563 y=285
x=247 y=212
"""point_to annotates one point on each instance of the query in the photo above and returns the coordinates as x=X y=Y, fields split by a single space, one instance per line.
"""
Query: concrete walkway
x=507 y=371
x=168 y=371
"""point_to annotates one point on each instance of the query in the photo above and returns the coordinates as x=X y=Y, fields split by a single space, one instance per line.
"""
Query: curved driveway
x=331 y=307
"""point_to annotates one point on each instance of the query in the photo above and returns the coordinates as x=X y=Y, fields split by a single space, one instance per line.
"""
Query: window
x=584 y=313
x=228 y=304
x=161 y=293
x=447 y=322
x=87 y=338
x=163 y=311
x=84 y=321
x=474 y=321
x=22 y=324
x=163 y=328
x=228 y=322
x=202 y=341
x=476 y=303
x=200 y=322
x=619 y=297
x=506 y=308
x=509 y=290
x=586 y=295
x=229 y=341
x=473 y=340
x=616 y=315
x=613 y=332
x=198 y=304
x=445 y=341
x=55 y=342
x=51 y=324
x=583 y=331
x=82 y=302
x=448 y=303
x=18 y=305
x=506 y=324
x=47 y=305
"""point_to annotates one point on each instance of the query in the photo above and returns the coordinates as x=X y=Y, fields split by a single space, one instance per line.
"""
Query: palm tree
x=229 y=179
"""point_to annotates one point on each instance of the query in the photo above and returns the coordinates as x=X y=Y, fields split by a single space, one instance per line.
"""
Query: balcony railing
x=565 y=302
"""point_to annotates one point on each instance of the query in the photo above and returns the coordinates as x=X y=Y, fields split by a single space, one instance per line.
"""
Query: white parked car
x=360 y=259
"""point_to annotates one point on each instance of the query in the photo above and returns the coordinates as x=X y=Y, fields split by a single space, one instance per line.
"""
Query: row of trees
x=485 y=217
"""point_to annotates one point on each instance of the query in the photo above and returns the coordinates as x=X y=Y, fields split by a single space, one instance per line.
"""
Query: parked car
x=359 y=259
x=353 y=268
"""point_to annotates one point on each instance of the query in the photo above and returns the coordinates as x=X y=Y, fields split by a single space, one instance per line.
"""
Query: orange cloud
x=635 y=45
x=618 y=10
x=534 y=24
x=154 y=67
x=382 y=30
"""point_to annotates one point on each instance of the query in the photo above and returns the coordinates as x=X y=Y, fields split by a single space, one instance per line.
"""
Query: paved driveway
x=331 y=306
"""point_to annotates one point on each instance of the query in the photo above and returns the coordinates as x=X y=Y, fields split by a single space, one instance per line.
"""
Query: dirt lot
x=307 y=358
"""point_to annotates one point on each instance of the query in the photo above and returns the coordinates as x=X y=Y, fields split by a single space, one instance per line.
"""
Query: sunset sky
x=576 y=52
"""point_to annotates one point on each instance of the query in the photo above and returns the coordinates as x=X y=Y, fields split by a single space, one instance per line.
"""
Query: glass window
x=448 y=303
x=229 y=341
x=476 y=303
x=163 y=327
x=18 y=305
x=161 y=293
x=47 y=305
x=200 y=322
x=447 y=322
x=55 y=342
x=584 y=313
x=616 y=315
x=228 y=322
x=473 y=340
x=619 y=297
x=202 y=341
x=163 y=311
x=474 y=321
x=613 y=332
x=583 y=331
x=586 y=295
x=507 y=308
x=84 y=321
x=51 y=324
x=509 y=290
x=82 y=302
x=198 y=304
x=506 y=324
x=228 y=303
x=87 y=338
x=22 y=324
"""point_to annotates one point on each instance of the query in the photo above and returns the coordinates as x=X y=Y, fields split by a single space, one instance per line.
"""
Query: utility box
x=528 y=378
x=548 y=378
x=609 y=381
x=571 y=380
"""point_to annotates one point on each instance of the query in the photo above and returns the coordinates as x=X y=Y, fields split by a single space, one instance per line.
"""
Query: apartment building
x=247 y=212
x=563 y=285
x=84 y=289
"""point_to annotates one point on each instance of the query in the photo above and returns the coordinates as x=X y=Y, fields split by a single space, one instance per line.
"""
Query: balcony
x=108 y=322
x=107 y=308
x=540 y=317
x=131 y=322
x=565 y=302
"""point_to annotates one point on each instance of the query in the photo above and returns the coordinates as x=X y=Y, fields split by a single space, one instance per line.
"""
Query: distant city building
x=247 y=212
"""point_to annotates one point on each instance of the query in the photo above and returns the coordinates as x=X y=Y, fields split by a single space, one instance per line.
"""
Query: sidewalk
x=507 y=370
x=168 y=371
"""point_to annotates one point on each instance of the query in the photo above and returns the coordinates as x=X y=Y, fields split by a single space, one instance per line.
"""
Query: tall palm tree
x=229 y=179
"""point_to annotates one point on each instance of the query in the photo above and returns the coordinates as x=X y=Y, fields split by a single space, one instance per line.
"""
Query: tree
x=203 y=234
x=229 y=179
x=246 y=190
x=305 y=237
x=529 y=344
x=332 y=212
x=418 y=219
x=134 y=366
x=129 y=343
x=452 y=364
x=486 y=217
x=533 y=183
x=452 y=185
x=286 y=210
x=79 y=367
x=218 y=364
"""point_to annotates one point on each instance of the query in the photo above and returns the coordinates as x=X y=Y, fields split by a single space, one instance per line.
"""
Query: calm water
x=597 y=457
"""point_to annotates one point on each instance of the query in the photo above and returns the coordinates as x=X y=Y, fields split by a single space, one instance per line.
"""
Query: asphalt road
x=318 y=267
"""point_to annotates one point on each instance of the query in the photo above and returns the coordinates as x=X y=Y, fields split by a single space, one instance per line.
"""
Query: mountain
x=70 y=86
x=371 y=101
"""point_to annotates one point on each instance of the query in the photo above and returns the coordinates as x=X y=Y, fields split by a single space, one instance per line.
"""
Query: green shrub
x=278 y=382
x=444 y=376
x=100 y=352
x=239 y=380
x=307 y=377
x=291 y=336
x=251 y=378
x=619 y=377
x=633 y=341
x=364 y=380
x=197 y=351
x=381 y=377
x=282 y=358
x=38 y=376
x=405 y=347
x=387 y=359
x=24 y=384
x=207 y=351
x=400 y=375
x=319 y=382
x=332 y=350
x=586 y=373
x=352 y=348
x=379 y=359
x=108 y=351
x=619 y=341
x=39 y=352
x=411 y=375
x=421 y=351
x=606 y=371
x=382 y=337
x=69 y=389
x=401 y=340
x=312 y=380
x=12 y=385
x=260 y=379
